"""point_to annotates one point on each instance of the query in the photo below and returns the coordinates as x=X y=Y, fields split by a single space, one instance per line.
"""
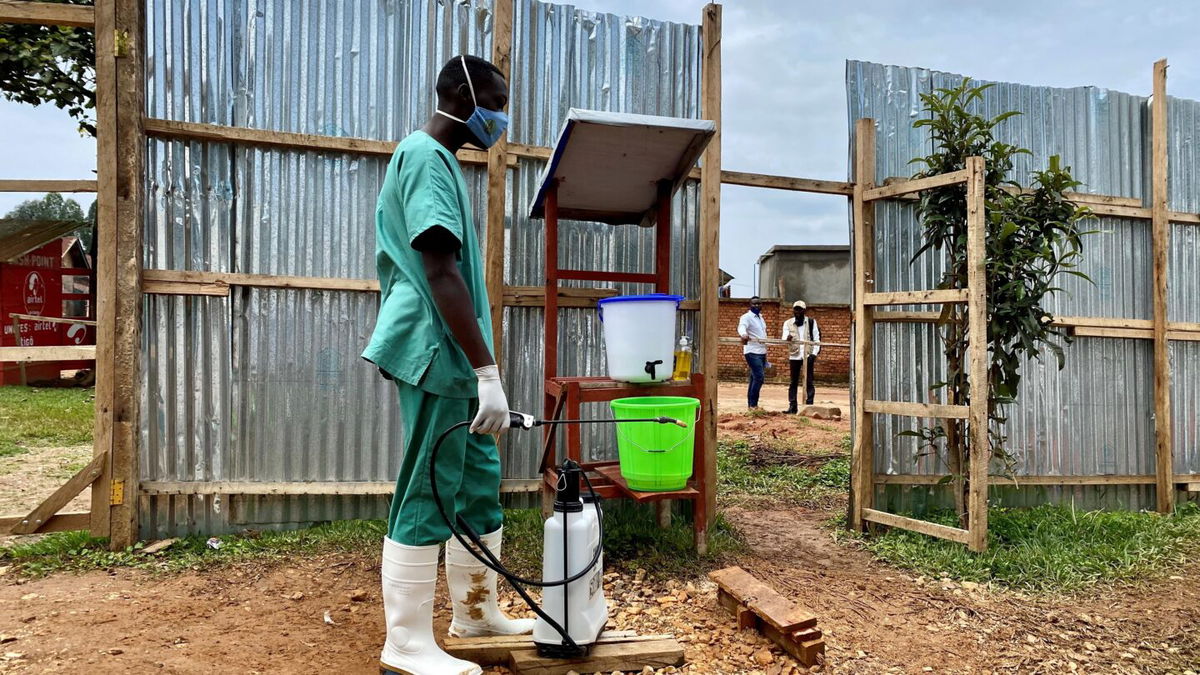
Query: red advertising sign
x=32 y=285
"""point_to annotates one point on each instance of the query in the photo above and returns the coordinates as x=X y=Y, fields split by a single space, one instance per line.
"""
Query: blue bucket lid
x=650 y=297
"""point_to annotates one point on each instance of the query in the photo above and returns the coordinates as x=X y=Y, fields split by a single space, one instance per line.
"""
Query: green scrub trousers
x=468 y=471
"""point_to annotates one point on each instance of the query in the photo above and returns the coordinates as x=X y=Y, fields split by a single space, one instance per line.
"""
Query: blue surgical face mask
x=756 y=310
x=486 y=125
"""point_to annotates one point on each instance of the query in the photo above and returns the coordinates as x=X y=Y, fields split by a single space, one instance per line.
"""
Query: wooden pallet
x=624 y=651
x=758 y=606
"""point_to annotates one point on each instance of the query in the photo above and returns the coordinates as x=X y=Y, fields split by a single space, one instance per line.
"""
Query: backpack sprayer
x=573 y=611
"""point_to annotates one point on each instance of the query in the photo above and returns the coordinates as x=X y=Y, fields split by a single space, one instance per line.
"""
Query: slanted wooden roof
x=18 y=237
x=608 y=165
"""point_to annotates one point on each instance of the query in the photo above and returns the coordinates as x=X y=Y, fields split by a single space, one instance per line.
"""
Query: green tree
x=51 y=64
x=51 y=207
x=1033 y=235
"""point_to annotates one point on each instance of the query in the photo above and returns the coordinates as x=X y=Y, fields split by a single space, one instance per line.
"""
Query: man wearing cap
x=800 y=331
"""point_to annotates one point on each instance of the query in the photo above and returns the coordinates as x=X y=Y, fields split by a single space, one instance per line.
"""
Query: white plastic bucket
x=639 y=336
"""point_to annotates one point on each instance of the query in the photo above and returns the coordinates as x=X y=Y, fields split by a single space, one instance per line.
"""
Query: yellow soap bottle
x=683 y=360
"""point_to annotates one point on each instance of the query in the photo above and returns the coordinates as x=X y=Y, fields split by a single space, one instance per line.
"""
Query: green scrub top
x=424 y=188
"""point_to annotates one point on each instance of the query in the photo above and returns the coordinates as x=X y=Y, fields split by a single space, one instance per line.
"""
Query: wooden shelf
x=603 y=389
x=609 y=484
x=613 y=473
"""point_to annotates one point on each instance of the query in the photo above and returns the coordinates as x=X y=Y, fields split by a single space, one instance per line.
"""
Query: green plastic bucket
x=656 y=457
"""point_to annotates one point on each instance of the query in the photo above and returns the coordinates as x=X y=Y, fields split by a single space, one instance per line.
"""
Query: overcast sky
x=784 y=89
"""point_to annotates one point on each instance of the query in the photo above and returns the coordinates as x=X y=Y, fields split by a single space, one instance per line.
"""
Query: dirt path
x=270 y=618
x=28 y=478
x=879 y=619
x=773 y=397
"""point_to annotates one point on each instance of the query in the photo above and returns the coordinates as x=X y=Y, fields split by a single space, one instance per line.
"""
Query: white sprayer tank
x=639 y=336
x=586 y=611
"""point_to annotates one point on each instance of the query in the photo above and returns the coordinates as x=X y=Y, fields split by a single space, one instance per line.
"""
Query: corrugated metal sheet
x=1096 y=415
x=267 y=384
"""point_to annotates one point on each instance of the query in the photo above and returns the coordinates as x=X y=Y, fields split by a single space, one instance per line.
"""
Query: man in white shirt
x=798 y=330
x=753 y=331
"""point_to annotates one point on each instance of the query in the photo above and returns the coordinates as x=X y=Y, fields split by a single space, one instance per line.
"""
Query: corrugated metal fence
x=1094 y=417
x=266 y=385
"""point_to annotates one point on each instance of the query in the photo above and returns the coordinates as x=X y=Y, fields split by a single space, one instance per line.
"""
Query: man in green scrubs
x=433 y=337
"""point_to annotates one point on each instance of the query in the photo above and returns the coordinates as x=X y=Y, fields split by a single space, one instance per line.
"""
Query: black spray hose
x=485 y=556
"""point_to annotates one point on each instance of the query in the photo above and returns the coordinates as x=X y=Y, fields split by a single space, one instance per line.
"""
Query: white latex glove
x=493 y=404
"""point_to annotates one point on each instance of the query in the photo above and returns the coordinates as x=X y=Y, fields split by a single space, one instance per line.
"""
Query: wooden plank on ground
x=605 y=658
x=932 y=410
x=806 y=646
x=914 y=525
x=765 y=601
x=41 y=515
x=928 y=297
x=47 y=13
x=495 y=650
x=1160 y=238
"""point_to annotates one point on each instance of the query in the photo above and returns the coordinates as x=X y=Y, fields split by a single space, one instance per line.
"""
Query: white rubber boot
x=473 y=590
x=409 y=577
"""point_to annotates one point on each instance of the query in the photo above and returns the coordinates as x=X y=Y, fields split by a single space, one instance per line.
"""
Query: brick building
x=833 y=364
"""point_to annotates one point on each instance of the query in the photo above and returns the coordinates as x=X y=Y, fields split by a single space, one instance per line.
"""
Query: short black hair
x=754 y=297
x=451 y=76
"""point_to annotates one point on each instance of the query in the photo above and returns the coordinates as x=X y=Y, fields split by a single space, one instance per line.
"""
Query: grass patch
x=80 y=552
x=1052 y=548
x=739 y=476
x=35 y=417
x=632 y=540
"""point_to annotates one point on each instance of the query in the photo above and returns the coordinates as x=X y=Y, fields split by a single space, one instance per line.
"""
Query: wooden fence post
x=710 y=241
x=1164 y=454
x=120 y=164
x=862 y=460
x=502 y=31
x=977 y=322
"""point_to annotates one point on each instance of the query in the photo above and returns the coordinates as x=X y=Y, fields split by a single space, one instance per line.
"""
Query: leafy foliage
x=51 y=207
x=1032 y=236
x=51 y=64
